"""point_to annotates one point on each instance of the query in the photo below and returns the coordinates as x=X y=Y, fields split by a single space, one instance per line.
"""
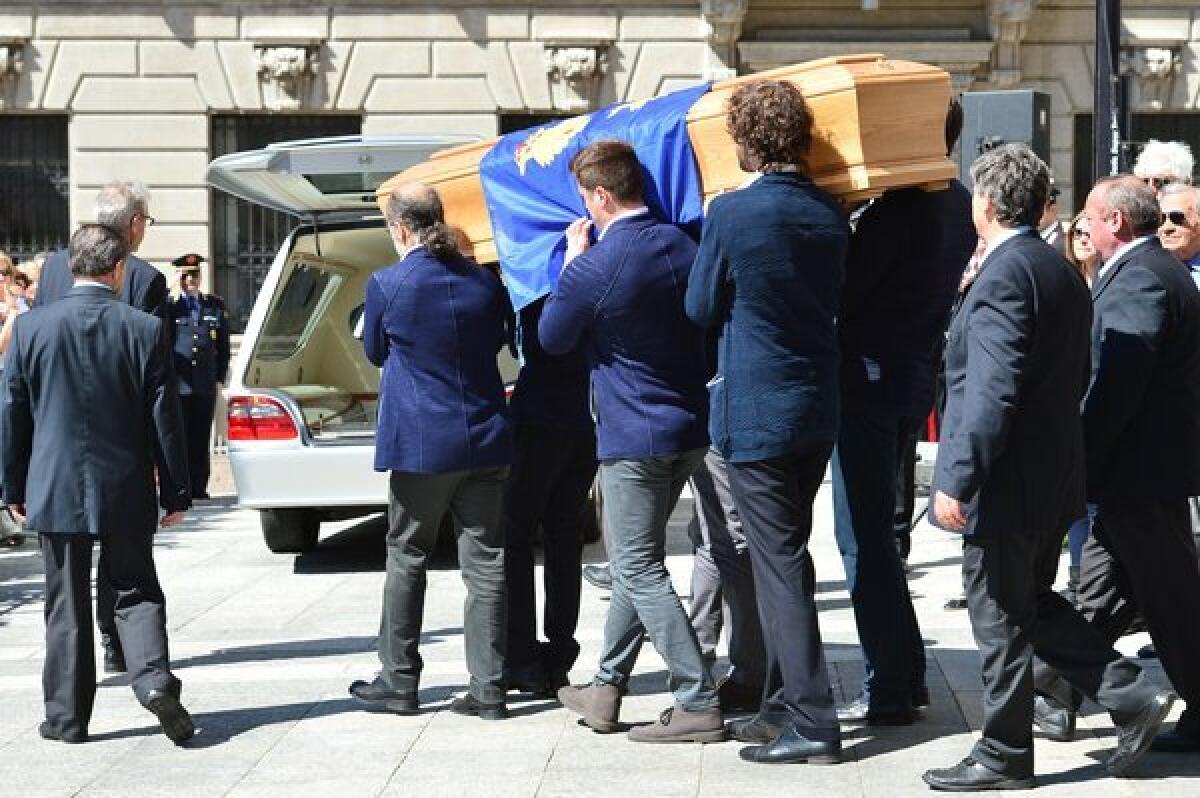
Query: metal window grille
x=34 y=206
x=245 y=236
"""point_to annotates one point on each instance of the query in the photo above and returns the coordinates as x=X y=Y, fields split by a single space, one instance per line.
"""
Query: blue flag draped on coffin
x=531 y=195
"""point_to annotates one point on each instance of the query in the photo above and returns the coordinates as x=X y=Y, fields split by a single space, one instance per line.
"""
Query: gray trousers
x=639 y=496
x=417 y=504
x=722 y=579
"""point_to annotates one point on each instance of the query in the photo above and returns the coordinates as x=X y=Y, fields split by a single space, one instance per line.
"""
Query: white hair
x=1165 y=159
x=118 y=201
x=1181 y=188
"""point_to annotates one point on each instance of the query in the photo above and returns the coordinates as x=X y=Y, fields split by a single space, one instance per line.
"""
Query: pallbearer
x=201 y=362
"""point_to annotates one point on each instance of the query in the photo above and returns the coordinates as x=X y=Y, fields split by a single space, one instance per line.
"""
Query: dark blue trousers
x=864 y=505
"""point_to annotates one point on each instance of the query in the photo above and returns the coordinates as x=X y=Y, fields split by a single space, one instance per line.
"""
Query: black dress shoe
x=791 y=747
x=1148 y=652
x=175 y=720
x=598 y=576
x=470 y=705
x=970 y=776
x=752 y=730
x=920 y=697
x=1176 y=742
x=737 y=697
x=1056 y=721
x=376 y=696
x=531 y=679
x=860 y=711
x=114 y=660
x=48 y=732
x=1135 y=738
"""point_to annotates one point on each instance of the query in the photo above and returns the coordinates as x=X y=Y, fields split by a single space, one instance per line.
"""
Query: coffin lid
x=314 y=177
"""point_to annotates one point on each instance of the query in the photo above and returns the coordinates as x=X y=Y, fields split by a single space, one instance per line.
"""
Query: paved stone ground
x=267 y=644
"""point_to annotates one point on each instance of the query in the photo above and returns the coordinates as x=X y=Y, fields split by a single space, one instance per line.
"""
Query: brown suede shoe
x=600 y=704
x=678 y=725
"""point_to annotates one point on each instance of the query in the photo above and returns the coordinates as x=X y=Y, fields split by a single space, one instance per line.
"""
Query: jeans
x=417 y=503
x=864 y=506
x=638 y=498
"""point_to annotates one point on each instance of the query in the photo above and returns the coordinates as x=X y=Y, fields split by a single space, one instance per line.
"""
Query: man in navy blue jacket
x=623 y=298
x=1009 y=478
x=768 y=274
x=906 y=257
x=434 y=322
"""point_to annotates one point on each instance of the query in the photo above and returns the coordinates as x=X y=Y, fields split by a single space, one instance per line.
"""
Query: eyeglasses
x=1079 y=232
x=1157 y=182
x=1177 y=218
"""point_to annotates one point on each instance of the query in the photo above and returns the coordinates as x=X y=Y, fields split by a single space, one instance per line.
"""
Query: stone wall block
x=661 y=61
x=1156 y=24
x=111 y=23
x=133 y=95
x=372 y=60
x=237 y=60
x=529 y=63
x=139 y=132
x=16 y=22
x=167 y=205
x=164 y=242
x=582 y=25
x=482 y=125
x=425 y=24
x=94 y=169
x=421 y=95
x=506 y=25
x=335 y=63
x=458 y=59
x=502 y=78
x=622 y=57
x=313 y=26
x=198 y=59
x=1062 y=25
x=78 y=59
x=652 y=24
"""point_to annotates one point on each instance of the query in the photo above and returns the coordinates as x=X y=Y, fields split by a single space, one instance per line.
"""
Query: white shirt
x=1120 y=253
x=1000 y=239
x=85 y=281
x=622 y=215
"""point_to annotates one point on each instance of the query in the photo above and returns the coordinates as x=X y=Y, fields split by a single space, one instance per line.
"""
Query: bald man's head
x=415 y=210
x=1119 y=210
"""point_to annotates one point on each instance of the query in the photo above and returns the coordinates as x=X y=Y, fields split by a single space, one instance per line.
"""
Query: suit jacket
x=1016 y=370
x=907 y=255
x=623 y=300
x=1142 y=412
x=768 y=275
x=201 y=356
x=144 y=287
x=89 y=405
x=435 y=328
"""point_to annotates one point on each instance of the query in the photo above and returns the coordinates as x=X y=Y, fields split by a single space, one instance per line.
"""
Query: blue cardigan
x=435 y=328
x=624 y=299
x=769 y=275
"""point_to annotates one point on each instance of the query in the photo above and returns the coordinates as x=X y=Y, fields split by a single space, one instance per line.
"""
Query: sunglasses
x=1158 y=182
x=1079 y=232
x=1177 y=218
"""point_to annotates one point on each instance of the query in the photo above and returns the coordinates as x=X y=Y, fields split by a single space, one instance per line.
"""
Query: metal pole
x=1106 y=117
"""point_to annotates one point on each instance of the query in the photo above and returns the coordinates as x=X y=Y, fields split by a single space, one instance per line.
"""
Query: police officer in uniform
x=201 y=361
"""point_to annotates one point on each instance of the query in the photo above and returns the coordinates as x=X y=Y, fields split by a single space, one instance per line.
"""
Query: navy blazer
x=434 y=327
x=1142 y=413
x=551 y=390
x=144 y=287
x=201 y=345
x=1016 y=370
x=907 y=255
x=623 y=299
x=769 y=274
x=89 y=409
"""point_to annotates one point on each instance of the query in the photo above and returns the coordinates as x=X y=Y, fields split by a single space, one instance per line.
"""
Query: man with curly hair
x=768 y=274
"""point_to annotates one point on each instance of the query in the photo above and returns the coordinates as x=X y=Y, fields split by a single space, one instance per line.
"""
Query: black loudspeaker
x=993 y=118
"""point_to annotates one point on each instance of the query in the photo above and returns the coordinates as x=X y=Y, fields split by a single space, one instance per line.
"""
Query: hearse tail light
x=259 y=418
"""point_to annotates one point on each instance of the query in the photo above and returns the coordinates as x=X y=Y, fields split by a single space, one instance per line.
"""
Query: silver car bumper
x=273 y=474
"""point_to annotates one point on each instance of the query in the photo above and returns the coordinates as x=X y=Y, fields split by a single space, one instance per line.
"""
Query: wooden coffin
x=877 y=124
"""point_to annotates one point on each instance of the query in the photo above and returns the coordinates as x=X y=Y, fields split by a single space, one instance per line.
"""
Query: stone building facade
x=139 y=83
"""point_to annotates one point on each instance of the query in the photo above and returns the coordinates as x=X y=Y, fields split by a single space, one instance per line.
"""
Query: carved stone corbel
x=1153 y=67
x=1008 y=20
x=724 y=21
x=12 y=66
x=286 y=73
x=575 y=70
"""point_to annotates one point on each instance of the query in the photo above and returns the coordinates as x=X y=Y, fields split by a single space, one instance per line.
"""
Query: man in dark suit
x=1009 y=478
x=767 y=276
x=201 y=363
x=89 y=406
x=622 y=299
x=906 y=256
x=121 y=205
x=1049 y=227
x=1142 y=433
